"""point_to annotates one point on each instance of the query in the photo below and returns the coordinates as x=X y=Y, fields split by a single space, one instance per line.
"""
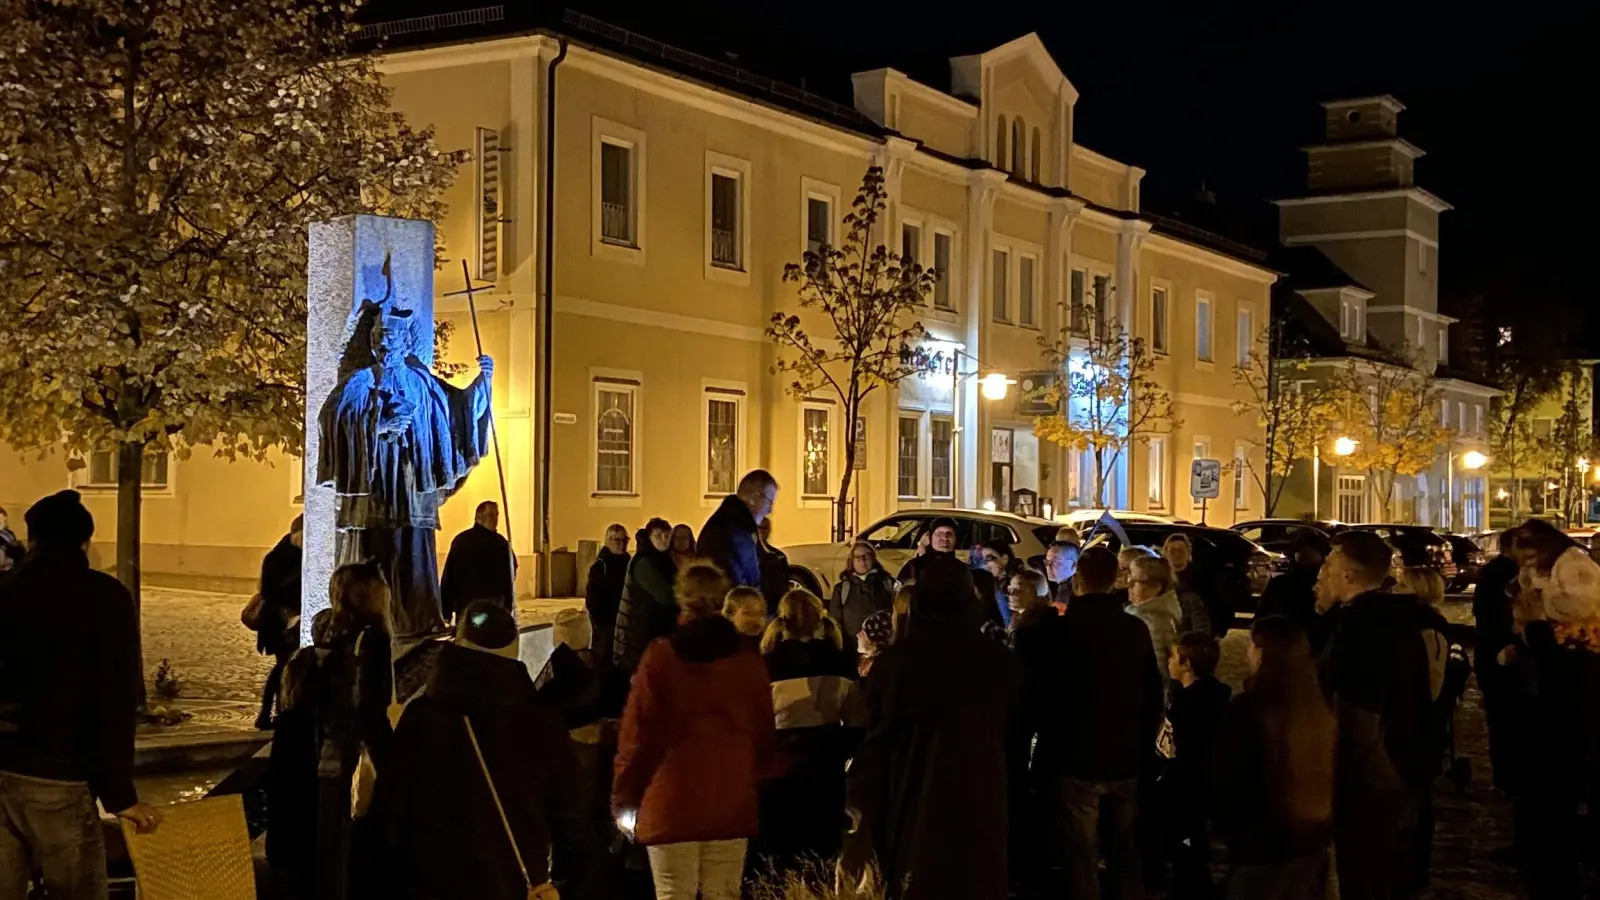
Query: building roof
x=1306 y=268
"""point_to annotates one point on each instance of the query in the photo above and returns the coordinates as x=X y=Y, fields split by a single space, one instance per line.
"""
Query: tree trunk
x=130 y=484
x=840 y=511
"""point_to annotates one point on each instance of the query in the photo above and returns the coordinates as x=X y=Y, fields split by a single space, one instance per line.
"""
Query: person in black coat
x=479 y=566
x=729 y=537
x=862 y=589
x=940 y=539
x=11 y=549
x=929 y=782
x=1199 y=701
x=1493 y=659
x=648 y=609
x=602 y=593
x=1293 y=593
x=277 y=629
x=774 y=567
x=1101 y=711
x=478 y=723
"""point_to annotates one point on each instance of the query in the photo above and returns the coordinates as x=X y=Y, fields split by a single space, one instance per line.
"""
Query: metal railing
x=480 y=16
x=616 y=223
x=725 y=248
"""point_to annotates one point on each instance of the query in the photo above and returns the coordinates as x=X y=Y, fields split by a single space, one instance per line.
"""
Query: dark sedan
x=1418 y=545
x=1279 y=535
x=1469 y=561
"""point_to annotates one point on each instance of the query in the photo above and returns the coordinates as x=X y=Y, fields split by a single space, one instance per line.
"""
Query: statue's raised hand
x=486 y=366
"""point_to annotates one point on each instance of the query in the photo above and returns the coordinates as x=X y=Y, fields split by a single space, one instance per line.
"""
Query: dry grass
x=817 y=881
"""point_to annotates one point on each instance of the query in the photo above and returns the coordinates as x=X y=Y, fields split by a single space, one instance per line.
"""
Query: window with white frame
x=1025 y=289
x=619 y=223
x=1202 y=328
x=1156 y=472
x=723 y=416
x=909 y=452
x=101 y=472
x=727 y=236
x=819 y=222
x=1444 y=344
x=1245 y=338
x=1002 y=273
x=1102 y=304
x=910 y=244
x=1001 y=160
x=941 y=470
x=942 y=253
x=1444 y=413
x=816 y=450
x=1076 y=300
x=1202 y=448
x=1241 y=474
x=1477 y=419
x=1461 y=414
x=1351 y=328
x=616 y=459
x=1158 y=319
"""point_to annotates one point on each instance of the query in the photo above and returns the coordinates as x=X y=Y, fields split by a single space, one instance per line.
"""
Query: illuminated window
x=1157 y=472
x=941 y=271
x=1202 y=329
x=909 y=447
x=1002 y=271
x=943 y=433
x=614 y=437
x=816 y=450
x=722 y=426
x=1025 y=290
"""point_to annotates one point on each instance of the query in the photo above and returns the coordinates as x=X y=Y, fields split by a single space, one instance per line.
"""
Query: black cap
x=486 y=625
x=943 y=522
x=60 y=519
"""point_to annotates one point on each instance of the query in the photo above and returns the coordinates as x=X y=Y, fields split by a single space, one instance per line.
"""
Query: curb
x=165 y=755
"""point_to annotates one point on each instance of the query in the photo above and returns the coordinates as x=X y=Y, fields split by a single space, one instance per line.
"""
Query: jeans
x=1305 y=878
x=1108 y=810
x=50 y=830
x=709 y=870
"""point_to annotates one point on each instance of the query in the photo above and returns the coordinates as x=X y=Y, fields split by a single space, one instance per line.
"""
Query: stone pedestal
x=345 y=267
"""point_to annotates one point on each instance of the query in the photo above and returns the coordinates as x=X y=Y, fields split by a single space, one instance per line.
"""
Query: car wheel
x=804 y=580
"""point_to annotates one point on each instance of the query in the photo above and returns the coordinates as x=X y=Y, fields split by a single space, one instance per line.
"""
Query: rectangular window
x=1444 y=345
x=1444 y=413
x=1543 y=428
x=1477 y=420
x=1245 y=337
x=910 y=454
x=614 y=438
x=1102 y=304
x=943 y=456
x=1075 y=299
x=1461 y=415
x=1351 y=328
x=1157 y=472
x=1241 y=471
x=617 y=219
x=1025 y=300
x=1422 y=259
x=941 y=271
x=726 y=239
x=1002 y=270
x=1202 y=329
x=816 y=458
x=722 y=442
x=910 y=244
x=1158 y=320
x=102 y=470
x=819 y=223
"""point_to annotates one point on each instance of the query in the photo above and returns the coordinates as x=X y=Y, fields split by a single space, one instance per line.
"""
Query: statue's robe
x=391 y=479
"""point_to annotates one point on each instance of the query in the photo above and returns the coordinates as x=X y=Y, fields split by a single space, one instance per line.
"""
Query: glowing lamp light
x=995 y=385
x=1552 y=486
x=1472 y=459
x=1502 y=494
x=989 y=504
x=1344 y=446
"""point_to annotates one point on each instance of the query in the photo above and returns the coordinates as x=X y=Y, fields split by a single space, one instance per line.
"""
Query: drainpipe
x=547 y=317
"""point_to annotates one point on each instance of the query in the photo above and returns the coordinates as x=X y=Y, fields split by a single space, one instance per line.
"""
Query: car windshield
x=1046 y=533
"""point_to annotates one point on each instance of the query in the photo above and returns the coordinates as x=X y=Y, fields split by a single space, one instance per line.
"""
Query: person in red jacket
x=697 y=737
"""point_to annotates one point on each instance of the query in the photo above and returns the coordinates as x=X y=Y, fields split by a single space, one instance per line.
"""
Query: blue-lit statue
x=397 y=441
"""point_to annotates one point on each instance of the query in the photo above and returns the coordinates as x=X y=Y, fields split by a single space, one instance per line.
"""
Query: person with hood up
x=929 y=782
x=729 y=538
x=941 y=537
x=482 y=796
x=279 y=622
x=697 y=737
x=602 y=593
x=863 y=589
x=480 y=565
x=648 y=610
x=820 y=720
x=69 y=695
x=1153 y=600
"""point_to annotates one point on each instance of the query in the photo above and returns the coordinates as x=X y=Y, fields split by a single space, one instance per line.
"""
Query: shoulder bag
x=546 y=891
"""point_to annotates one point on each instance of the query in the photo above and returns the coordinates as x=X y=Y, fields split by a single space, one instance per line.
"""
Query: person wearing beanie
x=942 y=536
x=69 y=695
x=478 y=737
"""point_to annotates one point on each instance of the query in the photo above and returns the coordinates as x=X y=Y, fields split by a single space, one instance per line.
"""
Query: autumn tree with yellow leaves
x=1391 y=410
x=1105 y=396
x=159 y=166
x=1292 y=407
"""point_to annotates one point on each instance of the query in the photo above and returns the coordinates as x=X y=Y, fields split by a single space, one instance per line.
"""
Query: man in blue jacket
x=729 y=536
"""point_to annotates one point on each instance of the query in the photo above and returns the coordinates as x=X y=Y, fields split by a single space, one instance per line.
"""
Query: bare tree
x=1293 y=408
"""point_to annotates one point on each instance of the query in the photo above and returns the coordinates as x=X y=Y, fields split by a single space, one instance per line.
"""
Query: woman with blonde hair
x=696 y=740
x=1153 y=600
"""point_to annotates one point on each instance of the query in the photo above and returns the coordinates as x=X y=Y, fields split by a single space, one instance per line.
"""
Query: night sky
x=1225 y=93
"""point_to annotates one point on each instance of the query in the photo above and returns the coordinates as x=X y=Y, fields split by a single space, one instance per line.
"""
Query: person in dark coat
x=683 y=549
x=1199 y=702
x=1203 y=607
x=774 y=566
x=480 y=566
x=1028 y=635
x=862 y=589
x=602 y=593
x=929 y=782
x=1100 y=715
x=1376 y=670
x=1002 y=564
x=1494 y=655
x=69 y=691
x=1293 y=593
x=479 y=723
x=729 y=537
x=277 y=629
x=11 y=549
x=941 y=539
x=648 y=610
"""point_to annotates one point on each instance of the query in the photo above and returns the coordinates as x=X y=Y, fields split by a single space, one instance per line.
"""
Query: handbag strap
x=499 y=807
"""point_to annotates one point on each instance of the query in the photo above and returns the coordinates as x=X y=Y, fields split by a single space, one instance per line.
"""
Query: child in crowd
x=746 y=608
x=1199 y=701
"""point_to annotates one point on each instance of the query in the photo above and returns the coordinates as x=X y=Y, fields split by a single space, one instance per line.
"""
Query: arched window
x=1019 y=147
x=1000 y=158
x=1037 y=155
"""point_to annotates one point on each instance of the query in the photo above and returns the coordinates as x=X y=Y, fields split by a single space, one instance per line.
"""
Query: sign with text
x=1205 y=479
x=1034 y=395
x=861 y=443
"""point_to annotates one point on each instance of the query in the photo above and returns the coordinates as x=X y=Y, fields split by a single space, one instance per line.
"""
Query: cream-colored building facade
x=677 y=201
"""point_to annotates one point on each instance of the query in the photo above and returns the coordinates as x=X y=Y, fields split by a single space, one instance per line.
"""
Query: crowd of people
x=970 y=728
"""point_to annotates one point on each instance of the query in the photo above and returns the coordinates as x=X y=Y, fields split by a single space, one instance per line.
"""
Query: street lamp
x=1342 y=446
x=994 y=385
x=1471 y=460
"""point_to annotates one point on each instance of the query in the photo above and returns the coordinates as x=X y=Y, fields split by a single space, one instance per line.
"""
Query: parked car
x=1280 y=535
x=1418 y=545
x=1084 y=519
x=817 y=566
x=1242 y=567
x=1469 y=561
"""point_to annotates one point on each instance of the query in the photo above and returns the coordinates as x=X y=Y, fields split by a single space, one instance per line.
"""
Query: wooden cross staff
x=494 y=436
